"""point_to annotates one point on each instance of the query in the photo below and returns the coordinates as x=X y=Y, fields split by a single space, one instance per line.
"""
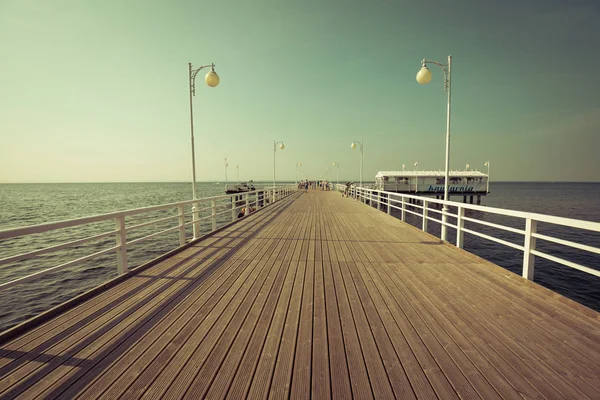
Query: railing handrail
x=49 y=226
x=392 y=199
x=238 y=200
x=565 y=221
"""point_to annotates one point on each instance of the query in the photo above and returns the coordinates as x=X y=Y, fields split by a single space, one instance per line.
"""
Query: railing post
x=530 y=241
x=425 y=215
x=196 y=220
x=233 y=206
x=121 y=244
x=247 y=205
x=389 y=204
x=378 y=200
x=181 y=219
x=460 y=224
x=213 y=209
x=273 y=196
x=403 y=209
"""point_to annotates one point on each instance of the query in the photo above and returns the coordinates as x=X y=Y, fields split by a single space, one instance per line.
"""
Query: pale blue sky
x=97 y=90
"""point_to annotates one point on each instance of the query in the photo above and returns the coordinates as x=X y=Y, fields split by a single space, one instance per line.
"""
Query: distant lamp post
x=423 y=77
x=403 y=166
x=281 y=146
x=212 y=80
x=298 y=165
x=467 y=167
x=353 y=146
x=337 y=165
x=226 y=165
x=416 y=178
x=487 y=164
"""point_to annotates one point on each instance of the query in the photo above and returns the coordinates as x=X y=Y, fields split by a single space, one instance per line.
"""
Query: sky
x=97 y=91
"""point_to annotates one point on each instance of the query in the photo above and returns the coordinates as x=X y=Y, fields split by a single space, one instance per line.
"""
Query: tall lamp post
x=337 y=165
x=281 y=146
x=423 y=77
x=226 y=165
x=353 y=146
x=212 y=80
x=416 y=177
x=487 y=164
x=298 y=165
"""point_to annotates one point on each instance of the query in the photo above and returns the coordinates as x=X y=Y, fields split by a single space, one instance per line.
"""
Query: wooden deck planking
x=200 y=253
x=171 y=361
x=85 y=341
x=499 y=354
x=317 y=296
x=540 y=347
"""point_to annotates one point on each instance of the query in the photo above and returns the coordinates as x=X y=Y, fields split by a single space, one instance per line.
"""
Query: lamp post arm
x=445 y=68
x=193 y=73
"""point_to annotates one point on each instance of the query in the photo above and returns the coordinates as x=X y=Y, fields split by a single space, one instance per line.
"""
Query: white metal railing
x=407 y=204
x=216 y=211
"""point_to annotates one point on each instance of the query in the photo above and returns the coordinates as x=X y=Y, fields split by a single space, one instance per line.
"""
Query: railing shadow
x=133 y=332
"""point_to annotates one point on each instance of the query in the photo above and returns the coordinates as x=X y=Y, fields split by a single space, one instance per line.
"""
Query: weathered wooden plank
x=209 y=356
x=397 y=376
x=500 y=355
x=90 y=336
x=414 y=371
x=374 y=359
x=321 y=387
x=241 y=360
x=205 y=302
x=448 y=366
x=340 y=377
x=116 y=370
x=539 y=355
x=257 y=365
x=301 y=375
x=359 y=377
x=281 y=376
x=167 y=366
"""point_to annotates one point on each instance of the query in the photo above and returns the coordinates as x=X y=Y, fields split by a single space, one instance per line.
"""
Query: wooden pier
x=314 y=296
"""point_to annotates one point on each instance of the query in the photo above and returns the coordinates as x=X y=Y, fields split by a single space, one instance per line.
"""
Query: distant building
x=462 y=183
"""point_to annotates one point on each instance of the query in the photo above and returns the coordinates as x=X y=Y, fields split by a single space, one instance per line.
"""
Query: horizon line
x=257 y=181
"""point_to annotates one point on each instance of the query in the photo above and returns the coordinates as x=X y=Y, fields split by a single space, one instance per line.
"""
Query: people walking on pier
x=347 y=189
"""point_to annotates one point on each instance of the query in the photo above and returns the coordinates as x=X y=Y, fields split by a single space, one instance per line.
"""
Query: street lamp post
x=423 y=77
x=416 y=178
x=487 y=164
x=226 y=165
x=353 y=146
x=337 y=165
x=281 y=146
x=212 y=80
x=298 y=165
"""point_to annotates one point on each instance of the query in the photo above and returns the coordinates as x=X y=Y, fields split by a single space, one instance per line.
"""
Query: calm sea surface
x=30 y=204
